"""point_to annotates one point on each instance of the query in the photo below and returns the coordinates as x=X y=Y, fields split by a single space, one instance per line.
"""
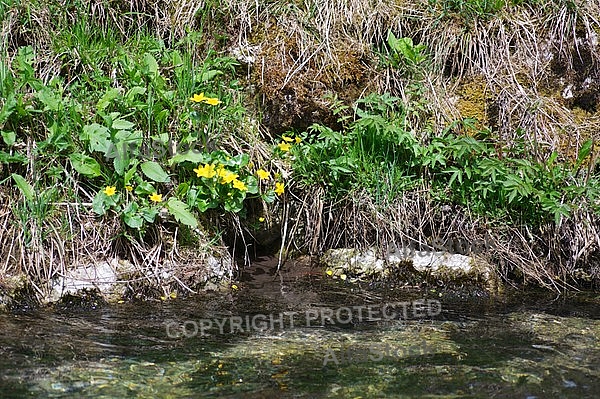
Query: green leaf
x=49 y=98
x=181 y=212
x=144 y=188
x=9 y=138
x=134 y=91
x=209 y=75
x=24 y=186
x=97 y=137
x=269 y=196
x=584 y=151
x=234 y=204
x=130 y=173
x=122 y=124
x=252 y=184
x=7 y=108
x=149 y=214
x=12 y=158
x=107 y=98
x=155 y=172
x=99 y=204
x=192 y=156
x=134 y=221
x=85 y=165
x=149 y=66
x=121 y=160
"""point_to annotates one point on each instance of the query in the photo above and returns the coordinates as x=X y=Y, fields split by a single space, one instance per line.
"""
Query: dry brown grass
x=554 y=256
x=71 y=236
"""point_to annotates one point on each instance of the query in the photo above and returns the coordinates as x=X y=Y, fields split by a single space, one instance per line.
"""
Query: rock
x=101 y=276
x=438 y=264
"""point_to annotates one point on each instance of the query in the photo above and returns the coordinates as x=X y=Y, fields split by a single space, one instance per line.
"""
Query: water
x=470 y=346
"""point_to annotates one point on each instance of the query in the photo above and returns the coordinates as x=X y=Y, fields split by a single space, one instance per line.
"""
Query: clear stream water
x=312 y=337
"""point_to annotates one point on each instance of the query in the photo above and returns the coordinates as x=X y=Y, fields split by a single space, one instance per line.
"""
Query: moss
x=16 y=293
x=292 y=84
x=474 y=98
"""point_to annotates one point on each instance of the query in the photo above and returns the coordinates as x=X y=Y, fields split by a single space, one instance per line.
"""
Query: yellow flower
x=286 y=138
x=298 y=140
x=239 y=185
x=262 y=174
x=234 y=287
x=279 y=189
x=212 y=101
x=329 y=272
x=198 y=98
x=110 y=191
x=283 y=146
x=129 y=188
x=156 y=197
x=261 y=219
x=207 y=171
x=227 y=176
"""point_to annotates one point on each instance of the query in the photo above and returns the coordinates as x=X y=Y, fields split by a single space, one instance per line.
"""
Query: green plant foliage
x=468 y=11
x=379 y=153
x=403 y=54
x=123 y=127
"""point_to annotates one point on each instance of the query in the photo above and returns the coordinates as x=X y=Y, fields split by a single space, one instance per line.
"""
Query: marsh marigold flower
x=207 y=171
x=283 y=146
x=227 y=176
x=279 y=188
x=298 y=140
x=155 y=197
x=198 y=98
x=239 y=185
x=110 y=191
x=288 y=139
x=213 y=101
x=129 y=188
x=262 y=174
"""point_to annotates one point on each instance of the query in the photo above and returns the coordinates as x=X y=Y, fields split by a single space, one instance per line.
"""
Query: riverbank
x=299 y=335
x=176 y=143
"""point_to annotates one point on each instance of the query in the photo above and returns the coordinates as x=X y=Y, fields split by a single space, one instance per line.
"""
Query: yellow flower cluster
x=265 y=175
x=285 y=145
x=225 y=176
x=109 y=191
x=201 y=98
